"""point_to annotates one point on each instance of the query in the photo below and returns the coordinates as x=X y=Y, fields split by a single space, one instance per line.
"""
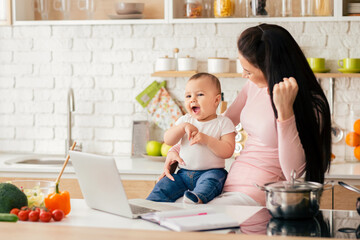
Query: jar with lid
x=286 y=8
x=259 y=8
x=242 y=8
x=208 y=11
x=224 y=8
x=193 y=8
x=323 y=7
x=306 y=8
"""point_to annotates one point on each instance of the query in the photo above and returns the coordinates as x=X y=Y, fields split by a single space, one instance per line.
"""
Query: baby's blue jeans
x=206 y=184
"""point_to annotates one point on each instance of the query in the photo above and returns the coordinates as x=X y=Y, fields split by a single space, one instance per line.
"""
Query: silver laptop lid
x=100 y=183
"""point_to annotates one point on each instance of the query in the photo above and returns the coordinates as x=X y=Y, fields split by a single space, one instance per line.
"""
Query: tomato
x=34 y=216
x=26 y=209
x=15 y=211
x=45 y=216
x=23 y=215
x=37 y=209
x=58 y=214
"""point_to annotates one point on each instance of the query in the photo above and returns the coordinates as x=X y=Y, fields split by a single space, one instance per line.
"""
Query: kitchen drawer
x=343 y=199
x=133 y=188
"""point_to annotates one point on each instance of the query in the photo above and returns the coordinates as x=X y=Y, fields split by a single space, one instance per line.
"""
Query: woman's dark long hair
x=274 y=51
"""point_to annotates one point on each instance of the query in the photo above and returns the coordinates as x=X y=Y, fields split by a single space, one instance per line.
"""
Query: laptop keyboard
x=141 y=210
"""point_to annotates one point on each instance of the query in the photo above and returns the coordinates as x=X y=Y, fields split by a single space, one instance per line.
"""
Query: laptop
x=102 y=188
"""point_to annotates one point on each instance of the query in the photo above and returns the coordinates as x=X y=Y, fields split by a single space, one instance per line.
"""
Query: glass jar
x=224 y=8
x=243 y=8
x=286 y=8
x=323 y=8
x=306 y=8
x=259 y=8
x=193 y=8
x=208 y=11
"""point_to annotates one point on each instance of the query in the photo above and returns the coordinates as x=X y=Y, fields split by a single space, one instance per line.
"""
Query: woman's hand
x=172 y=160
x=284 y=94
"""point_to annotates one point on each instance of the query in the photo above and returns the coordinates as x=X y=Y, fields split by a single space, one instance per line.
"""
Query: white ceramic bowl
x=129 y=8
x=187 y=64
x=218 y=65
x=165 y=64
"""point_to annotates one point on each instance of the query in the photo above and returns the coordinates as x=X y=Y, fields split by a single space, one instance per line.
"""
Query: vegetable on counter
x=35 y=197
x=58 y=200
x=8 y=217
x=11 y=197
x=45 y=216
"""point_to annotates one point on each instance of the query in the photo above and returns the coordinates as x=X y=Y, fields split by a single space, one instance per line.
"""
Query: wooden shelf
x=173 y=74
x=336 y=75
x=239 y=75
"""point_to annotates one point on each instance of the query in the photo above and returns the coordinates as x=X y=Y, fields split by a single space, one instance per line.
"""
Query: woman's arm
x=291 y=151
x=234 y=110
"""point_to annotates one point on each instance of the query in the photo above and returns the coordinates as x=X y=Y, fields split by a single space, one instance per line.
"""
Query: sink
x=37 y=160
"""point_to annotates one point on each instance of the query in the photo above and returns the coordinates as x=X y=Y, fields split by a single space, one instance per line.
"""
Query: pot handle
x=328 y=187
x=262 y=188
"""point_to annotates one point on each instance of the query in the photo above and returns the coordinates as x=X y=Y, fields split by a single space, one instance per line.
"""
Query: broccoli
x=11 y=197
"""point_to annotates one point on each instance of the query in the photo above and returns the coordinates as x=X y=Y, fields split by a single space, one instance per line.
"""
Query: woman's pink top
x=272 y=149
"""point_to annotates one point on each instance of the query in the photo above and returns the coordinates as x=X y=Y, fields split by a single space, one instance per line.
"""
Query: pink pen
x=190 y=215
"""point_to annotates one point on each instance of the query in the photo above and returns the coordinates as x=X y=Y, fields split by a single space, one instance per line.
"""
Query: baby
x=207 y=139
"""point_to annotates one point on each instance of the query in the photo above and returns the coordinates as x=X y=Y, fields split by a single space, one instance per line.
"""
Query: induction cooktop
x=327 y=224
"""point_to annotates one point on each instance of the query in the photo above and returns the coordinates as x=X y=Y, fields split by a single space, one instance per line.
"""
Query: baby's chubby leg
x=167 y=190
x=209 y=185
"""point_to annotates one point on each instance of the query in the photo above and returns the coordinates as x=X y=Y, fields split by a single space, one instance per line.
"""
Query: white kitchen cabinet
x=159 y=12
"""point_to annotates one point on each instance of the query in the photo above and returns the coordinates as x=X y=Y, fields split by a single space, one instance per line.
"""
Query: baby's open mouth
x=196 y=109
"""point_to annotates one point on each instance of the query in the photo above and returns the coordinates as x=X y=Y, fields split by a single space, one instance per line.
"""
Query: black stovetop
x=327 y=223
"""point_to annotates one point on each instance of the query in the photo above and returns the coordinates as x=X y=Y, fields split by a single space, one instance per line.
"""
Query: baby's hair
x=212 y=78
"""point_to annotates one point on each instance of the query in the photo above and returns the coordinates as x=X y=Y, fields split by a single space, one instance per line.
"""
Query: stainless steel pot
x=294 y=199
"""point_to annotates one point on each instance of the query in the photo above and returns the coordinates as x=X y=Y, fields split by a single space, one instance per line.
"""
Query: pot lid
x=296 y=186
x=293 y=185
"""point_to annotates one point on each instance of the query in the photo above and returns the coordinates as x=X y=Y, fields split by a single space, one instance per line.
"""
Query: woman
x=285 y=113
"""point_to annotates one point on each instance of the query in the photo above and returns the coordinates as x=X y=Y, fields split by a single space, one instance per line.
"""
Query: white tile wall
x=107 y=66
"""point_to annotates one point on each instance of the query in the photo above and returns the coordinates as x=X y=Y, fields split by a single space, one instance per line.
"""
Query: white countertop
x=138 y=168
x=143 y=169
x=83 y=216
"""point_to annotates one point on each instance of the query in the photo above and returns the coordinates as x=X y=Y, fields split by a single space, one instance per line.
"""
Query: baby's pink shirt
x=272 y=149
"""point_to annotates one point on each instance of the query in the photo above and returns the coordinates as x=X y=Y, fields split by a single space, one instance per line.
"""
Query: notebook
x=101 y=186
x=196 y=219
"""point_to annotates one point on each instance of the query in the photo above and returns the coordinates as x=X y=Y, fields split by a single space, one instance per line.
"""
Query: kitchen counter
x=145 y=169
x=138 y=168
x=86 y=223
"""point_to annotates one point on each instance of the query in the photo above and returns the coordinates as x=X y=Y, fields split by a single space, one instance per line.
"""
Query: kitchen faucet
x=70 y=109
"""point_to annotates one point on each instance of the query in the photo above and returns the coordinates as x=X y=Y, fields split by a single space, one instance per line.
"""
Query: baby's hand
x=199 y=138
x=190 y=130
